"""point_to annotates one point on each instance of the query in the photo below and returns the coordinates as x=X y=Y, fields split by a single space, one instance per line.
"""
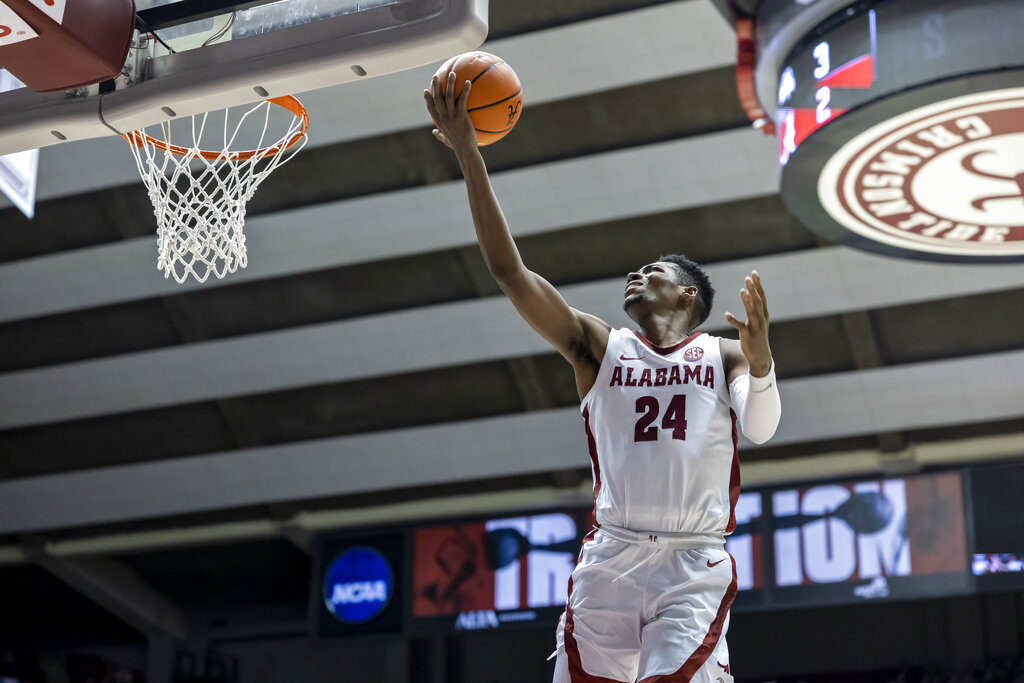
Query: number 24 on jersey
x=649 y=409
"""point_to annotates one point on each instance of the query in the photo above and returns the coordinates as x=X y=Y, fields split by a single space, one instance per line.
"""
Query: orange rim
x=139 y=137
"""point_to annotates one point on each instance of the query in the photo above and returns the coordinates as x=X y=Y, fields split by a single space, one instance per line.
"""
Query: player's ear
x=687 y=296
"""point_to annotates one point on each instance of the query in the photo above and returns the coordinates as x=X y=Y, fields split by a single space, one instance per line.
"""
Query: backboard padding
x=281 y=62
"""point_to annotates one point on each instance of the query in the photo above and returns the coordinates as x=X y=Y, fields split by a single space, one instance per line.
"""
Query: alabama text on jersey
x=662 y=436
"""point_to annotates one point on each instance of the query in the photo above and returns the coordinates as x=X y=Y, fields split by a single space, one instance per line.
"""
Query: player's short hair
x=691 y=274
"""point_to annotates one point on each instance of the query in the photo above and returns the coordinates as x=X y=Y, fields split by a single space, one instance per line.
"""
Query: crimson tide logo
x=693 y=354
x=947 y=178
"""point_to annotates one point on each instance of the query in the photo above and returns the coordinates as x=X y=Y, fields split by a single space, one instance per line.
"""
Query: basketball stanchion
x=199 y=196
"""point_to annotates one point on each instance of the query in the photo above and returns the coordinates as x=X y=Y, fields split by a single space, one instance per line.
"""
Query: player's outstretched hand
x=454 y=128
x=754 y=332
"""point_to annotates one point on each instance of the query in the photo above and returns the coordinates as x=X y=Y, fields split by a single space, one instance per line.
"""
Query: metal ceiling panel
x=647 y=44
x=939 y=393
x=803 y=284
x=690 y=172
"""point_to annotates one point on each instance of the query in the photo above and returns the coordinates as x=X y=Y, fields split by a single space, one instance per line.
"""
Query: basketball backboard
x=18 y=171
x=213 y=54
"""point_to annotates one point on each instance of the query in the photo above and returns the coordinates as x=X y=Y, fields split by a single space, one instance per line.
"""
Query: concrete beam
x=861 y=463
x=804 y=284
x=119 y=590
x=938 y=393
x=673 y=175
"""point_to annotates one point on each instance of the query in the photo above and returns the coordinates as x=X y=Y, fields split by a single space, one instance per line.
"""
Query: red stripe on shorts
x=572 y=650
x=692 y=665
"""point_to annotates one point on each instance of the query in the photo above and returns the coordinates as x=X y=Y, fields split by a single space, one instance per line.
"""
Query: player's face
x=653 y=287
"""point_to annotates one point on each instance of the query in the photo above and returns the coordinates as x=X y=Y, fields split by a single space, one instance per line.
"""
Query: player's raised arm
x=750 y=368
x=579 y=337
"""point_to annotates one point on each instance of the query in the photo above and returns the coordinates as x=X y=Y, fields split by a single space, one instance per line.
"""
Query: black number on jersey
x=648 y=408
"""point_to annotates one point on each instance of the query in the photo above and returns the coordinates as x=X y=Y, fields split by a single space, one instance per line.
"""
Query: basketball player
x=649 y=598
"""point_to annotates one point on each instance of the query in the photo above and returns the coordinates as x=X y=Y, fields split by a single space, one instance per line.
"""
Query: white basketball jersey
x=662 y=436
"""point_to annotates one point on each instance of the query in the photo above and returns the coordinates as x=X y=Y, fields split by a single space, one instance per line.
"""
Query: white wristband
x=757 y=405
x=759 y=384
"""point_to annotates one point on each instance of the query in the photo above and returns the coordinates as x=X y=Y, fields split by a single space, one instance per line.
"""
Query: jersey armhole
x=606 y=363
x=726 y=384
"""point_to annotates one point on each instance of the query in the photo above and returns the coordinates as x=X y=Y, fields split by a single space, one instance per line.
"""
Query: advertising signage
x=865 y=540
x=357 y=585
x=828 y=543
x=997 y=560
x=495 y=573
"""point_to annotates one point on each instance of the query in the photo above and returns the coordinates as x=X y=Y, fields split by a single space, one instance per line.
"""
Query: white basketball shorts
x=646 y=609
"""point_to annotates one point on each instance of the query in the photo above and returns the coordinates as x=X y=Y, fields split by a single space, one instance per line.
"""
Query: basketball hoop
x=199 y=196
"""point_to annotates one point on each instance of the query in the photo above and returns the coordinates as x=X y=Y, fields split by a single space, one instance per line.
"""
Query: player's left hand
x=754 y=332
x=454 y=127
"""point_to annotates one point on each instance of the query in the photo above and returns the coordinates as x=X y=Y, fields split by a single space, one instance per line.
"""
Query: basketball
x=496 y=97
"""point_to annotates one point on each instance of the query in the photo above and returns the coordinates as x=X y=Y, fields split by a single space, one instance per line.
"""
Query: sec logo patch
x=693 y=354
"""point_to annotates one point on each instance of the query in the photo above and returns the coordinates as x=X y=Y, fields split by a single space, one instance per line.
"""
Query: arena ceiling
x=158 y=441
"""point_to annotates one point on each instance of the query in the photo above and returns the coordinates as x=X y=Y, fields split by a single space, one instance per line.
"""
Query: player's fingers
x=436 y=98
x=748 y=303
x=732 y=320
x=751 y=287
x=753 y=301
x=756 y=277
x=754 y=320
x=760 y=292
x=431 y=104
x=441 y=138
x=464 y=95
x=449 y=93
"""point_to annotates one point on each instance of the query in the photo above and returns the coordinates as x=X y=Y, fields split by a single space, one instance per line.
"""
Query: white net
x=199 y=196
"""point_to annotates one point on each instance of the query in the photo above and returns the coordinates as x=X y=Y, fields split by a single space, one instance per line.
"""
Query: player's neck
x=665 y=329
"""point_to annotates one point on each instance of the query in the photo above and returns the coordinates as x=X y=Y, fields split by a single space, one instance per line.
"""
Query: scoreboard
x=900 y=124
x=825 y=81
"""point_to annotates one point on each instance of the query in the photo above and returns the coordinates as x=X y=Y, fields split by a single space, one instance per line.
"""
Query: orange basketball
x=496 y=97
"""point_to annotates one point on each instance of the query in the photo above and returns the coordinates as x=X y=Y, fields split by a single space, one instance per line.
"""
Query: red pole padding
x=86 y=43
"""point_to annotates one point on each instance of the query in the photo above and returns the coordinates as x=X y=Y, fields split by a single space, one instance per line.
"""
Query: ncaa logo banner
x=358 y=585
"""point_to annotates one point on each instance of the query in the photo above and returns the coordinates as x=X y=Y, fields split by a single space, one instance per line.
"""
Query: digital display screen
x=1002 y=563
x=874 y=49
x=825 y=80
x=893 y=538
x=747 y=544
x=834 y=543
x=795 y=546
x=998 y=510
x=496 y=573
x=847 y=542
x=998 y=554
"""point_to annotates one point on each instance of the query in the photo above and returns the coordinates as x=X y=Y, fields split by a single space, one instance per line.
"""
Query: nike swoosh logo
x=712 y=564
x=623 y=357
